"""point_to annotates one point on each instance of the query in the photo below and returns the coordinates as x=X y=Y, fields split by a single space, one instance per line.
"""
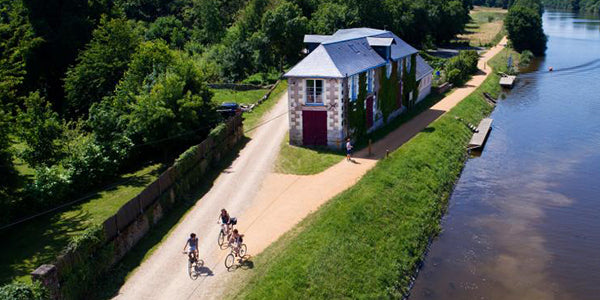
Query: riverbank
x=378 y=228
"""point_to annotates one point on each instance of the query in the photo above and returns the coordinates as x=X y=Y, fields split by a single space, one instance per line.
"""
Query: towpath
x=267 y=204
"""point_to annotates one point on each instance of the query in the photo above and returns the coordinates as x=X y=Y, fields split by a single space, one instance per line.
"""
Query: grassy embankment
x=486 y=27
x=40 y=240
x=368 y=241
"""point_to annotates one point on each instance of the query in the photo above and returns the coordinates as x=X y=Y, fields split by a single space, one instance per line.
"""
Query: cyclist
x=236 y=241
x=227 y=222
x=193 y=243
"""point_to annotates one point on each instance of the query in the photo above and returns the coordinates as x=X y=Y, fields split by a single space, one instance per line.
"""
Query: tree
x=41 y=130
x=207 y=21
x=524 y=26
x=101 y=65
x=170 y=29
x=17 y=39
x=332 y=16
x=284 y=27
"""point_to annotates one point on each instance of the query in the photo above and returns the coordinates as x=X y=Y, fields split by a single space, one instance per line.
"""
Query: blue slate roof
x=423 y=68
x=347 y=52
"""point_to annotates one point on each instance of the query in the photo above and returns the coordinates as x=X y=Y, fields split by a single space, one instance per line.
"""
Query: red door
x=369 y=112
x=314 y=128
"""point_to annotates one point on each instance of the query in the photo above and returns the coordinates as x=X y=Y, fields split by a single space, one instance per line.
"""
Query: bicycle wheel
x=243 y=250
x=229 y=261
x=221 y=238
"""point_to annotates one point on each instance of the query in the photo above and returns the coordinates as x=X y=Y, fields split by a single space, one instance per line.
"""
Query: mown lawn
x=485 y=28
x=38 y=241
x=305 y=161
x=368 y=241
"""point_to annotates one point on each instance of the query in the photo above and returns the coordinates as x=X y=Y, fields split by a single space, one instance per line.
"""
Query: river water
x=524 y=219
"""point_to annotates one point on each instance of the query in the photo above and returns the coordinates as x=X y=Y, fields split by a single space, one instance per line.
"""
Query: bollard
x=387 y=153
x=370 y=153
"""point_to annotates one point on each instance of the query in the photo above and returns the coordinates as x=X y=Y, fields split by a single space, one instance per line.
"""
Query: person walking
x=348 y=149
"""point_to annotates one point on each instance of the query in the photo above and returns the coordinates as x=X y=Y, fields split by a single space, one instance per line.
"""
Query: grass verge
x=240 y=97
x=368 y=241
x=305 y=160
x=40 y=240
x=253 y=118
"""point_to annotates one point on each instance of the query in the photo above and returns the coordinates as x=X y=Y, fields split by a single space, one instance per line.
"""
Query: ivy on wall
x=357 y=117
x=388 y=92
x=409 y=81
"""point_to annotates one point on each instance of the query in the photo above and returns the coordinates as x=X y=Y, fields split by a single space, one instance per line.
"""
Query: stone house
x=325 y=88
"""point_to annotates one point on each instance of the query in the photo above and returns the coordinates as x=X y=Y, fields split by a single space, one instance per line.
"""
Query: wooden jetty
x=481 y=134
x=507 y=81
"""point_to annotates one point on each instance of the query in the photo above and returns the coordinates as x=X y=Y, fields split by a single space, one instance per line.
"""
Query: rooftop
x=348 y=52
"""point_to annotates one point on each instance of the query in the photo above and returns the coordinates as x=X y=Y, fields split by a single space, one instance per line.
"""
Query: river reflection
x=524 y=219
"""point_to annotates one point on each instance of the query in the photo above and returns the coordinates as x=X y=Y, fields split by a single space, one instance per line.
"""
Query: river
x=524 y=219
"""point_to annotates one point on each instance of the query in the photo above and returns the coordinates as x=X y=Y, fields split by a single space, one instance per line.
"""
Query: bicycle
x=225 y=233
x=230 y=258
x=194 y=265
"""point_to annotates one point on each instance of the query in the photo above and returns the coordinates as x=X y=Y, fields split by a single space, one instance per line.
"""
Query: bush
x=50 y=186
x=524 y=25
x=23 y=291
x=526 y=57
x=454 y=77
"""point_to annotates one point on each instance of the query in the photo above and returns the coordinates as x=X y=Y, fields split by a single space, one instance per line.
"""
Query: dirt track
x=266 y=204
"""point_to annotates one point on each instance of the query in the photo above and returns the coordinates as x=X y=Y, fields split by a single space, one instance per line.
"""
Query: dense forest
x=91 y=88
x=493 y=3
x=592 y=6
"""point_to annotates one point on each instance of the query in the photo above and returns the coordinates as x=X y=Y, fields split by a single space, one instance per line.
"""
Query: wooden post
x=370 y=152
x=387 y=153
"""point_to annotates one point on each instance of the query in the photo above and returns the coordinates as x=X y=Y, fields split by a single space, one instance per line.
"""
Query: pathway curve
x=266 y=204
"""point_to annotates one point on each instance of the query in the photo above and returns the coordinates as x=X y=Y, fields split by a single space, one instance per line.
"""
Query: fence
x=120 y=232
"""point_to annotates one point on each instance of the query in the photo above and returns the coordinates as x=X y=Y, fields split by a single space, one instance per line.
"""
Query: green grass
x=240 y=97
x=305 y=161
x=38 y=241
x=485 y=28
x=252 y=119
x=368 y=241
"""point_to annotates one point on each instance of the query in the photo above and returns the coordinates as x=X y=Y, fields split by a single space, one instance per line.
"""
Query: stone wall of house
x=295 y=96
x=333 y=105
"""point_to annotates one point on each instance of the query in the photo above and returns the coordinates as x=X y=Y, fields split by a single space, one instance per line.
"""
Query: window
x=408 y=59
x=369 y=81
x=400 y=67
x=388 y=69
x=353 y=87
x=314 y=91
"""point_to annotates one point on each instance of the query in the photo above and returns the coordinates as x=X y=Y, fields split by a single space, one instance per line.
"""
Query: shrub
x=50 y=186
x=23 y=291
x=454 y=77
x=526 y=57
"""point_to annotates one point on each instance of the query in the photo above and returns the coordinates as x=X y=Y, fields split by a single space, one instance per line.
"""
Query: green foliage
x=88 y=257
x=410 y=88
x=591 y=6
x=101 y=65
x=466 y=65
x=17 y=39
x=170 y=29
x=41 y=130
x=387 y=100
x=525 y=58
x=357 y=116
x=454 y=77
x=281 y=25
x=51 y=185
x=524 y=26
x=23 y=291
x=331 y=16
